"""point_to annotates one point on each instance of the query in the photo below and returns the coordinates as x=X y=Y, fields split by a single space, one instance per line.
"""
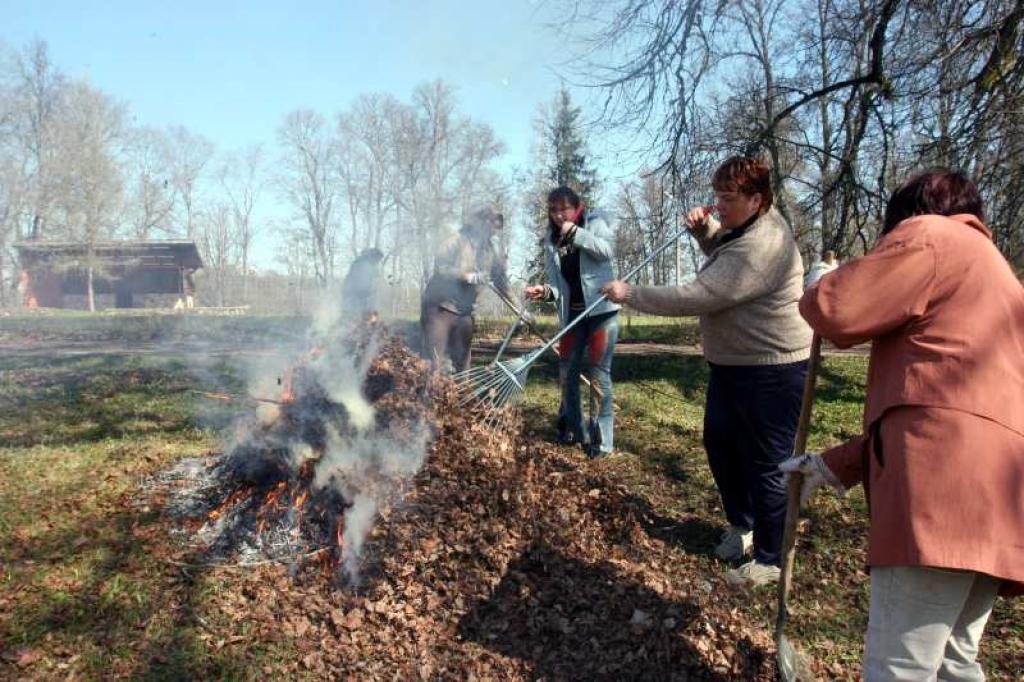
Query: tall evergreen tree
x=563 y=158
x=568 y=153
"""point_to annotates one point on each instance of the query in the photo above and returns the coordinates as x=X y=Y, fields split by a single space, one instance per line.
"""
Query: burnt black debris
x=282 y=489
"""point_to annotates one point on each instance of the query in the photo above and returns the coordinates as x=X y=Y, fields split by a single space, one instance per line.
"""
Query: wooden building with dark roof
x=52 y=270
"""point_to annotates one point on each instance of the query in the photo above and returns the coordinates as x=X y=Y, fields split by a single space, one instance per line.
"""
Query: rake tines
x=493 y=386
x=489 y=388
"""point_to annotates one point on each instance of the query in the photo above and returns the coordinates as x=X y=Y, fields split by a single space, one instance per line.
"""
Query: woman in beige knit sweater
x=746 y=295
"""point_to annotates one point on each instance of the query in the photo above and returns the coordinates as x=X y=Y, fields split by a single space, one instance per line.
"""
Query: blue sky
x=231 y=70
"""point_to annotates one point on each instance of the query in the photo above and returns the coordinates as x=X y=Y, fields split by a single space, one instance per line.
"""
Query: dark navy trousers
x=749 y=427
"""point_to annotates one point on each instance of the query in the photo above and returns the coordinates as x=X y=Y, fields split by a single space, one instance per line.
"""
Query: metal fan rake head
x=490 y=388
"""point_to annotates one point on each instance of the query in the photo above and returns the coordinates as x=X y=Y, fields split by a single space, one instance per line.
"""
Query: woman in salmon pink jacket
x=942 y=454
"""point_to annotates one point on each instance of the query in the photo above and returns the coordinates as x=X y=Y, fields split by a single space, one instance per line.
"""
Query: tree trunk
x=3 y=269
x=90 y=298
x=245 y=274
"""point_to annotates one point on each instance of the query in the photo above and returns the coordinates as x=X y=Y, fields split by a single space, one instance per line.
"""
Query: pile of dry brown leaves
x=506 y=559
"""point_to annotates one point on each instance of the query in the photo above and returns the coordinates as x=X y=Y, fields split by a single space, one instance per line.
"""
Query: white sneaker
x=736 y=543
x=752 y=574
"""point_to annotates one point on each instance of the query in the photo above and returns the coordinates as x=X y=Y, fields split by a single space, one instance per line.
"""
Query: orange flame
x=229 y=502
x=270 y=503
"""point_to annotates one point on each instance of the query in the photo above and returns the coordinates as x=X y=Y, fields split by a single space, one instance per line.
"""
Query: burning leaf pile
x=498 y=559
x=306 y=475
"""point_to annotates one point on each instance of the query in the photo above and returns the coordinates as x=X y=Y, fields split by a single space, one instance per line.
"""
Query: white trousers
x=925 y=623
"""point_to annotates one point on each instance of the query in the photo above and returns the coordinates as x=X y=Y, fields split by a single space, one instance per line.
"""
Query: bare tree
x=438 y=163
x=38 y=97
x=14 y=187
x=90 y=185
x=296 y=258
x=845 y=105
x=219 y=246
x=306 y=182
x=189 y=155
x=368 y=135
x=241 y=178
x=646 y=218
x=149 y=199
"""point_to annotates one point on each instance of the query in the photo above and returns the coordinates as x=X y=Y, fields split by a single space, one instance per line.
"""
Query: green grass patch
x=86 y=586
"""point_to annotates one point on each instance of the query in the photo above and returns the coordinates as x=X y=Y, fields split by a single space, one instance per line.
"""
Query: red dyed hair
x=747 y=175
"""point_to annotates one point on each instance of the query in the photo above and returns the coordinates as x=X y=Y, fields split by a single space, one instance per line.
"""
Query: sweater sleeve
x=727 y=281
x=551 y=268
x=875 y=294
x=692 y=298
x=847 y=461
x=596 y=238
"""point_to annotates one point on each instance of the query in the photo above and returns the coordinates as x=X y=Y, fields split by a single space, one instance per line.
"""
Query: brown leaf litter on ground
x=505 y=559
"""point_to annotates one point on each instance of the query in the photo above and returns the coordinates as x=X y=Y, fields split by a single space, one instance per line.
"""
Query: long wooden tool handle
x=796 y=481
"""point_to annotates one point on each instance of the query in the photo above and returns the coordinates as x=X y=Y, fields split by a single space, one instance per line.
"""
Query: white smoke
x=359 y=520
x=341 y=375
x=371 y=470
x=363 y=459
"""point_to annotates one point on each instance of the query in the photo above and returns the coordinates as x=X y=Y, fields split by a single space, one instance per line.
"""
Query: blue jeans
x=592 y=341
x=749 y=428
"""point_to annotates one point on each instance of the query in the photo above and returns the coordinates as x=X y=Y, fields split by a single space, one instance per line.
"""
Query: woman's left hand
x=815 y=474
x=617 y=291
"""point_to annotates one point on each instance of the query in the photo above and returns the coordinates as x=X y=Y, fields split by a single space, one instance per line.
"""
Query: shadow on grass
x=572 y=620
x=67 y=400
x=838 y=386
x=129 y=613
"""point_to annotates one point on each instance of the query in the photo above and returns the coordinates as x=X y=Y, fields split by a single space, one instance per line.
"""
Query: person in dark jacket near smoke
x=465 y=262
x=578 y=250
x=360 y=289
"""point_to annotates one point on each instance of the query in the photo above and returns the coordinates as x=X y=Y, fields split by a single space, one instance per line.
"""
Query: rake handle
x=796 y=481
x=543 y=339
x=602 y=298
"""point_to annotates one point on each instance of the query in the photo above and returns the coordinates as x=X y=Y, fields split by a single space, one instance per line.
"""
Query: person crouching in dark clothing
x=361 y=287
x=465 y=262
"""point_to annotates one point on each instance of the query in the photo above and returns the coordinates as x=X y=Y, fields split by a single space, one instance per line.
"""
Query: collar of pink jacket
x=972 y=221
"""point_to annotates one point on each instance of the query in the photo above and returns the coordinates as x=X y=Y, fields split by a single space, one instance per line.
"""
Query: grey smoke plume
x=364 y=460
x=371 y=471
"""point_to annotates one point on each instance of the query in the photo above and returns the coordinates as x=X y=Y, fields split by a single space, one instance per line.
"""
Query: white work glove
x=818 y=270
x=816 y=474
x=474 y=277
